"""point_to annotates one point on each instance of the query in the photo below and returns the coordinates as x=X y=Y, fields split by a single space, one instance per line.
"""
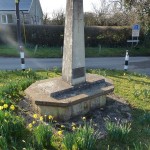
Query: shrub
x=69 y=140
x=3 y=143
x=43 y=135
x=141 y=146
x=145 y=119
x=82 y=138
x=118 y=131
x=86 y=138
x=12 y=128
x=53 y=36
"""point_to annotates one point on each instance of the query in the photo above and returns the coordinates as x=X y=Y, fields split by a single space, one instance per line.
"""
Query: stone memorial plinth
x=63 y=101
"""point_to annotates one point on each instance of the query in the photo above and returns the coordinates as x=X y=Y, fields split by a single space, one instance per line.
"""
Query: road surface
x=136 y=64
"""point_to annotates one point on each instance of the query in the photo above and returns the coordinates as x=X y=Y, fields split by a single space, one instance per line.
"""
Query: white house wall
x=24 y=17
x=6 y=13
x=35 y=12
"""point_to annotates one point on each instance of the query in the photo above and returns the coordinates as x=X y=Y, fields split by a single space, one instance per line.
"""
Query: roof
x=9 y=5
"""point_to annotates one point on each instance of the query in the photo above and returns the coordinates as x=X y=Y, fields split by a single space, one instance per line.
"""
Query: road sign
x=135 y=30
x=135 y=33
x=136 y=27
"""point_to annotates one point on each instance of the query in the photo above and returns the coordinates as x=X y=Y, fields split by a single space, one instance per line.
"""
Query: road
x=136 y=64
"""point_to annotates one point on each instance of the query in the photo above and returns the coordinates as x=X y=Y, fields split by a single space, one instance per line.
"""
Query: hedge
x=53 y=35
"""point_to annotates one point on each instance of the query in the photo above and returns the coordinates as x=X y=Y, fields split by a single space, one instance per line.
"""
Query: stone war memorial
x=75 y=93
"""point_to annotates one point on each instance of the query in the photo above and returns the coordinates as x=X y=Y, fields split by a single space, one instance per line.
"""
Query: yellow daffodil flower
x=60 y=132
x=35 y=116
x=50 y=117
x=1 y=107
x=41 y=118
x=12 y=107
x=5 y=106
x=30 y=125
x=33 y=122
x=73 y=128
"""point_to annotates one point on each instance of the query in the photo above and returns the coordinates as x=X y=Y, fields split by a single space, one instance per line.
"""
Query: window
x=9 y=18
x=6 y=19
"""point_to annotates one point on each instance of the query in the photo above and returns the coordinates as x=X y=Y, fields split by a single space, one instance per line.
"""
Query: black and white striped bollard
x=22 y=58
x=126 y=61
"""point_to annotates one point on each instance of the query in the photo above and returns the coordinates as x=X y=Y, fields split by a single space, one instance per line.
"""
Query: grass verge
x=135 y=89
x=56 y=52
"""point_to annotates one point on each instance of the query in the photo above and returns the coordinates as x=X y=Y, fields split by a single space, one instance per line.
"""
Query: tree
x=142 y=9
x=101 y=11
x=111 y=13
x=58 y=17
x=46 y=19
x=89 y=19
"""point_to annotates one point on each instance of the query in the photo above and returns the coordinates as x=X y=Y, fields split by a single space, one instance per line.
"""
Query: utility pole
x=20 y=46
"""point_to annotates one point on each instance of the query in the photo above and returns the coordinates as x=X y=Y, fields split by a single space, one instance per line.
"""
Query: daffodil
x=35 y=116
x=60 y=132
x=1 y=107
x=50 y=117
x=83 y=118
x=62 y=126
x=33 y=122
x=73 y=128
x=41 y=118
x=12 y=107
x=30 y=125
x=5 y=106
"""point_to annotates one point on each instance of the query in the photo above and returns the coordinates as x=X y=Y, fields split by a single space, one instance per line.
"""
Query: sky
x=48 y=6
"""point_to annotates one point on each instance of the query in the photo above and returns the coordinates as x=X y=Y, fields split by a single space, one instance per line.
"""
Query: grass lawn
x=8 y=51
x=56 y=52
x=134 y=88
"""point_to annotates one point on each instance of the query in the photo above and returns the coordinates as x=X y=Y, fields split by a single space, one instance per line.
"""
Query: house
x=30 y=12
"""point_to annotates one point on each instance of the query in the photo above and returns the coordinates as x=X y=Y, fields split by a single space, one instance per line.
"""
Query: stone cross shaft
x=73 y=66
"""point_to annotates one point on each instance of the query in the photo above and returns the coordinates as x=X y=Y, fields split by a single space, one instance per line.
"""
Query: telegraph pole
x=20 y=46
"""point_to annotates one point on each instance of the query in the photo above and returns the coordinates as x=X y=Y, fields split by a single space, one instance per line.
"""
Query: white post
x=126 y=61
x=22 y=58
x=19 y=36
